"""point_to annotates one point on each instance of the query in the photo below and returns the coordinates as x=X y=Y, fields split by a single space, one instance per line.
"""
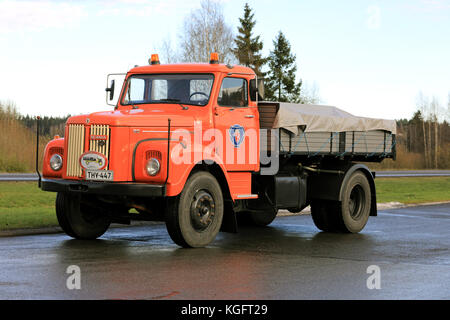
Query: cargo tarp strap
x=298 y=142
x=379 y=145
x=355 y=143
x=392 y=145
x=324 y=144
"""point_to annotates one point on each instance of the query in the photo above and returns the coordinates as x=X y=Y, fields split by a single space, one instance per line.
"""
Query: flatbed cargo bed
x=298 y=131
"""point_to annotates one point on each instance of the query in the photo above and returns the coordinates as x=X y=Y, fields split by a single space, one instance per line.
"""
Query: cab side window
x=233 y=93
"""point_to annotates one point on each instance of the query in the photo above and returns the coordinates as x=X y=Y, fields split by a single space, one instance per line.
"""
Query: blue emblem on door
x=237 y=134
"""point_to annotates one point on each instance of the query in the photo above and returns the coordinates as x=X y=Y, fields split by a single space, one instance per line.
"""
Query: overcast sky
x=370 y=58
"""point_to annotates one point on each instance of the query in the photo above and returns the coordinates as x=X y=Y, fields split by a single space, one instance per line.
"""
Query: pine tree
x=248 y=48
x=280 y=84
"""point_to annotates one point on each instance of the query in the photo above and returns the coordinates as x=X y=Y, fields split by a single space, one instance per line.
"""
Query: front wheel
x=78 y=219
x=194 y=218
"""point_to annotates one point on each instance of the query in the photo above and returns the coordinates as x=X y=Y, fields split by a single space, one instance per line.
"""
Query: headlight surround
x=56 y=162
x=152 y=167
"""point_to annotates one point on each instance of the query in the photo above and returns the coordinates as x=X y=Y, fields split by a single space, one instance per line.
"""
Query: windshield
x=192 y=89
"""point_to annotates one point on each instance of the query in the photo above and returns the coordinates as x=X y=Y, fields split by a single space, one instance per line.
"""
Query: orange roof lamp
x=214 y=59
x=154 y=59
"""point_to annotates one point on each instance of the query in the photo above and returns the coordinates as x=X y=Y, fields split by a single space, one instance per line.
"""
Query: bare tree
x=434 y=118
x=168 y=54
x=310 y=93
x=206 y=31
x=448 y=108
x=422 y=103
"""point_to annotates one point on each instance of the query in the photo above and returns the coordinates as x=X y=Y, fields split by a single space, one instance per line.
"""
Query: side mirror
x=257 y=88
x=260 y=89
x=111 y=81
x=111 y=91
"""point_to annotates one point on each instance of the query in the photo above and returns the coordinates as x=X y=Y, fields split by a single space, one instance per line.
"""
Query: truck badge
x=237 y=134
x=101 y=139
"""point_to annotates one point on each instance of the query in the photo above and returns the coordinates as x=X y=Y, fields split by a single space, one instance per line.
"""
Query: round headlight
x=56 y=162
x=153 y=167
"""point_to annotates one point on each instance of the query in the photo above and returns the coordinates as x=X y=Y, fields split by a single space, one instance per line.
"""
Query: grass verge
x=24 y=205
x=413 y=190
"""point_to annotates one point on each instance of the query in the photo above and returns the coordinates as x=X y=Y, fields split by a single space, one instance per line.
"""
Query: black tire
x=263 y=218
x=321 y=215
x=78 y=220
x=350 y=215
x=63 y=221
x=194 y=218
x=356 y=202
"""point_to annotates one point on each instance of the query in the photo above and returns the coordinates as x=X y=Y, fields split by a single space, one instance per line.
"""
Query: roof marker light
x=154 y=59
x=214 y=59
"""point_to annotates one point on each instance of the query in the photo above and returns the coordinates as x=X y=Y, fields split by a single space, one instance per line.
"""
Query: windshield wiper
x=174 y=100
x=168 y=100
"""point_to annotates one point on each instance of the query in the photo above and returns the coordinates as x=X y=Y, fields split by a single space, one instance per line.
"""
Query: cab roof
x=191 y=68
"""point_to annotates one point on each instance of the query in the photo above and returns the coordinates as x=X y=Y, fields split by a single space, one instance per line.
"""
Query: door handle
x=249 y=116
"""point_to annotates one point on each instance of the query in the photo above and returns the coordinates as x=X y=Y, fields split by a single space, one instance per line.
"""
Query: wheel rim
x=202 y=210
x=356 y=202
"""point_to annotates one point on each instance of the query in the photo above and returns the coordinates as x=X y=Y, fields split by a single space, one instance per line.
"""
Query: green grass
x=24 y=205
x=413 y=190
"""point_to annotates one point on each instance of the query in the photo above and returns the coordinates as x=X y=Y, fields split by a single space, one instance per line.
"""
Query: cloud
x=25 y=16
x=431 y=7
x=145 y=8
x=436 y=4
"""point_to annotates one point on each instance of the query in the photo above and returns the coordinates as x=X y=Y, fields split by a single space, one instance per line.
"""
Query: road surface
x=290 y=259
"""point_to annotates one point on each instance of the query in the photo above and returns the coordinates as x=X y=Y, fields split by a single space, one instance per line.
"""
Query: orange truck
x=195 y=146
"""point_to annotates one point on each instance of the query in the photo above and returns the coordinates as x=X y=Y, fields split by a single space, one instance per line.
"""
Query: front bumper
x=105 y=188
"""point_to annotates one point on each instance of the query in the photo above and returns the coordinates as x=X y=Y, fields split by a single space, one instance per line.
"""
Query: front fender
x=175 y=186
x=54 y=146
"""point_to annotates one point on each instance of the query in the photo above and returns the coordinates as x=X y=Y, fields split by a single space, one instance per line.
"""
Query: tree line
x=427 y=133
x=18 y=138
x=48 y=126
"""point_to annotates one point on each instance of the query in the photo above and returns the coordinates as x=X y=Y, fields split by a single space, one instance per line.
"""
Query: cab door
x=238 y=143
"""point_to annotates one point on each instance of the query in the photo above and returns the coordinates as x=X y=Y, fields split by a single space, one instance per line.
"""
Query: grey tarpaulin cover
x=318 y=118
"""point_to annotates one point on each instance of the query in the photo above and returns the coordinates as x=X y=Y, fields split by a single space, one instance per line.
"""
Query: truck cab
x=169 y=122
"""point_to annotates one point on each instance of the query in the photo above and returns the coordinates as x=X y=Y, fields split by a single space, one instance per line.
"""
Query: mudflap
x=229 y=222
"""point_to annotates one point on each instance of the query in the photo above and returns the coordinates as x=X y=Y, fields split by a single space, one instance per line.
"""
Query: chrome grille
x=75 y=150
x=99 y=140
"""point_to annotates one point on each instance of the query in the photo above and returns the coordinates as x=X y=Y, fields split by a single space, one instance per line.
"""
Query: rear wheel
x=351 y=214
x=356 y=202
x=263 y=218
x=322 y=215
x=194 y=218
x=78 y=219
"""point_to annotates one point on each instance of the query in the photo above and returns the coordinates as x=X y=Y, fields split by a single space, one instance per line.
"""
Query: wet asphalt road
x=290 y=259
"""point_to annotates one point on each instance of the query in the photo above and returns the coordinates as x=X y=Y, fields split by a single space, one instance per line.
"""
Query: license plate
x=100 y=175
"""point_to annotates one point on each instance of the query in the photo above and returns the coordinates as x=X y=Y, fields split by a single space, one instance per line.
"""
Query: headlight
x=153 y=167
x=56 y=162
